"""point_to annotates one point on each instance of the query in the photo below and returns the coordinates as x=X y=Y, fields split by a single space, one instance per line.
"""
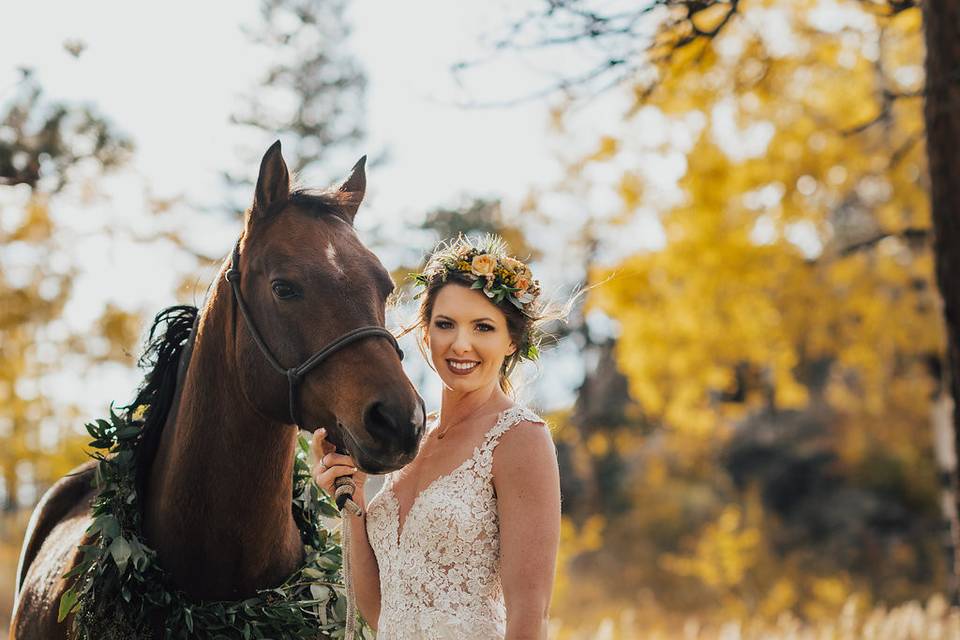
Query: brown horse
x=215 y=467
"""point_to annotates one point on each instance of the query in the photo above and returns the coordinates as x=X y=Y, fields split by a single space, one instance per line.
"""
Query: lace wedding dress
x=440 y=574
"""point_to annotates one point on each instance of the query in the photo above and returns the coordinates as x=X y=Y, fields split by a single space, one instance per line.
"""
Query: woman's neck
x=456 y=406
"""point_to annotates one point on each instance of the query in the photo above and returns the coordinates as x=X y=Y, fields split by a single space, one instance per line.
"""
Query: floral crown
x=487 y=265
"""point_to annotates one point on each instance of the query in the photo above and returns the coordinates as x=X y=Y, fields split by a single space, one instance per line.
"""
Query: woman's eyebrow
x=491 y=320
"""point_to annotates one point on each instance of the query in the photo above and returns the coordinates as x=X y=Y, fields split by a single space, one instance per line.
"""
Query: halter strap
x=295 y=374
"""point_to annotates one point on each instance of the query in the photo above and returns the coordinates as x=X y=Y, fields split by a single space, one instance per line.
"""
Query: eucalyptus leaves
x=120 y=592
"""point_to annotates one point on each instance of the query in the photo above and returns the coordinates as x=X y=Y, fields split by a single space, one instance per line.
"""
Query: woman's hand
x=329 y=465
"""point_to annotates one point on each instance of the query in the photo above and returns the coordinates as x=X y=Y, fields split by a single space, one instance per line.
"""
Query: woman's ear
x=512 y=350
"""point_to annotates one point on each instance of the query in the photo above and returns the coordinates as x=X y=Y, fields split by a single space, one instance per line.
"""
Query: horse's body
x=217 y=475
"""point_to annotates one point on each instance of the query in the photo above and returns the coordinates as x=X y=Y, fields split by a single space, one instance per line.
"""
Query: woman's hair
x=484 y=265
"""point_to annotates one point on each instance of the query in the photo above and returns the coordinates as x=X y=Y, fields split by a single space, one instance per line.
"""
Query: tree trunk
x=941 y=20
x=943 y=448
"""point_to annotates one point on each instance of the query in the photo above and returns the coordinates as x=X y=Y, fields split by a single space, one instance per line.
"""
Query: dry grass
x=909 y=621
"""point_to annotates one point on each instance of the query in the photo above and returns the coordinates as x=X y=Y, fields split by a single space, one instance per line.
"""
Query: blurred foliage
x=43 y=146
x=475 y=218
x=312 y=92
x=39 y=138
x=783 y=346
x=753 y=441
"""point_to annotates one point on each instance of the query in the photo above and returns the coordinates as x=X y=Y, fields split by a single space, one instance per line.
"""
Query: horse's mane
x=168 y=337
x=316 y=203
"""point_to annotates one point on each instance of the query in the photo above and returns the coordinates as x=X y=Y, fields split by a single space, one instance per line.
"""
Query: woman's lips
x=458 y=367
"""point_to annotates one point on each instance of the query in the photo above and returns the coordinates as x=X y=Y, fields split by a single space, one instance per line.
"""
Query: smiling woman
x=462 y=542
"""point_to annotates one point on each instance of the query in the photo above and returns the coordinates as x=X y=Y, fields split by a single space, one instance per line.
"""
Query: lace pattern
x=440 y=573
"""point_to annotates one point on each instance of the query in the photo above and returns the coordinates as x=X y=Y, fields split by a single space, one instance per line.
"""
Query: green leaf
x=319 y=592
x=67 y=602
x=120 y=551
x=109 y=526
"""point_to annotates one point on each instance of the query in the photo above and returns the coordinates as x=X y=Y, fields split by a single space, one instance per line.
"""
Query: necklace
x=442 y=432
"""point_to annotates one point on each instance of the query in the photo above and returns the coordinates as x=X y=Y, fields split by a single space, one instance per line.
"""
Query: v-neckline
x=402 y=525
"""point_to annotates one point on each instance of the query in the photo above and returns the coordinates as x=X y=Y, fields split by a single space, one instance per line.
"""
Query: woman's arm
x=526 y=477
x=363 y=566
x=364 y=570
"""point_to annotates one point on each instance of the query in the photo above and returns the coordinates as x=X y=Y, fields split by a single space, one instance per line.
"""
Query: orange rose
x=483 y=265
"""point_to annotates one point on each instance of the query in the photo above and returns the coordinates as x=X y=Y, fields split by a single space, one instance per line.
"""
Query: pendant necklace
x=443 y=432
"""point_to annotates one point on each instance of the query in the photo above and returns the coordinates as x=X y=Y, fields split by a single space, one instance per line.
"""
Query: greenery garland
x=121 y=592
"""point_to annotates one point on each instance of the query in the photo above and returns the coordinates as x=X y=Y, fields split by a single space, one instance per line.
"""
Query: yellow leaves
x=710 y=18
x=781 y=597
x=717 y=297
x=575 y=541
x=605 y=150
x=631 y=191
x=598 y=444
x=775 y=286
x=696 y=311
x=121 y=330
x=36 y=225
x=829 y=595
x=724 y=552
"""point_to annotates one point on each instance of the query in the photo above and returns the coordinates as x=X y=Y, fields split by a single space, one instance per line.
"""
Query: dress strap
x=507 y=419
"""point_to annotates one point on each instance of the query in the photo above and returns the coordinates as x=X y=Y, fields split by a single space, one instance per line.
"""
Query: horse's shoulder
x=62 y=498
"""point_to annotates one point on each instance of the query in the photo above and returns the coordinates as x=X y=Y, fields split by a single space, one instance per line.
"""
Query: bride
x=462 y=542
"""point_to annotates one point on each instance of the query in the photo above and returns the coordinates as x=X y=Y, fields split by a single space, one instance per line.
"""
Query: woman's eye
x=484 y=327
x=442 y=324
x=284 y=291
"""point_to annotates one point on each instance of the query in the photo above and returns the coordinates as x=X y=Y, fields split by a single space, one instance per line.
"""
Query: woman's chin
x=463 y=384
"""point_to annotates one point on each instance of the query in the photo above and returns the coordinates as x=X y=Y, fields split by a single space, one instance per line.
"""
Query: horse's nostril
x=379 y=422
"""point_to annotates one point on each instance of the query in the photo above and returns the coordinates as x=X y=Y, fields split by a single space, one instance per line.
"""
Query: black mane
x=168 y=337
x=316 y=203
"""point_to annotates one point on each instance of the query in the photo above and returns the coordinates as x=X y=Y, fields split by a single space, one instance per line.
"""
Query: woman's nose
x=462 y=342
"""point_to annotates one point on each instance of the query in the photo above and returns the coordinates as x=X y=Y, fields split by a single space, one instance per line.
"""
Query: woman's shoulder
x=520 y=413
x=519 y=427
x=525 y=446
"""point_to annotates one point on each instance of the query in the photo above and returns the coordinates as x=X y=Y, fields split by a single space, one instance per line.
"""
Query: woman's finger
x=320 y=445
x=325 y=479
x=335 y=459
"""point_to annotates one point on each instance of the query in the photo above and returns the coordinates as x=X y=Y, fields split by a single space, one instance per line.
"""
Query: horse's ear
x=351 y=191
x=273 y=184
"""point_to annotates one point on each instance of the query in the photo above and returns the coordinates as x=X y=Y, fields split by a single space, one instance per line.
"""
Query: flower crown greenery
x=119 y=591
x=487 y=265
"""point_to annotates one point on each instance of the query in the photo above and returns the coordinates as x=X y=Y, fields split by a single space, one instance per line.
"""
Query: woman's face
x=468 y=338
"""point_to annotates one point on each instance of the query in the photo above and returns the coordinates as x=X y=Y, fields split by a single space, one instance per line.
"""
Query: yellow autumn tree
x=796 y=275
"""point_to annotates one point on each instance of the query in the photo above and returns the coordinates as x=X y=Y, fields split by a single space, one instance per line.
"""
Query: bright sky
x=170 y=74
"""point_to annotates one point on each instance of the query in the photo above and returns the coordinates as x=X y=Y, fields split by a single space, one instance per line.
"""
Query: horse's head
x=306 y=281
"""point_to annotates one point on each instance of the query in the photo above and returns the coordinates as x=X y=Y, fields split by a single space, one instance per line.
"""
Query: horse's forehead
x=329 y=242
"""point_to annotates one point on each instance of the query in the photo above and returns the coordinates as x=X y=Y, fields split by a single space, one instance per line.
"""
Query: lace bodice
x=440 y=574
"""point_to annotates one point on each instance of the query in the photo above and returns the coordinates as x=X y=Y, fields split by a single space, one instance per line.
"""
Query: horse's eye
x=284 y=290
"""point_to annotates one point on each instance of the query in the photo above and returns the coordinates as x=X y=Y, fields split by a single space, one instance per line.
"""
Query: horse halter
x=295 y=374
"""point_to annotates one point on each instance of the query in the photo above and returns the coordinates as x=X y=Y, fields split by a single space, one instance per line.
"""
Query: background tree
x=638 y=47
x=46 y=148
x=783 y=344
x=312 y=93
